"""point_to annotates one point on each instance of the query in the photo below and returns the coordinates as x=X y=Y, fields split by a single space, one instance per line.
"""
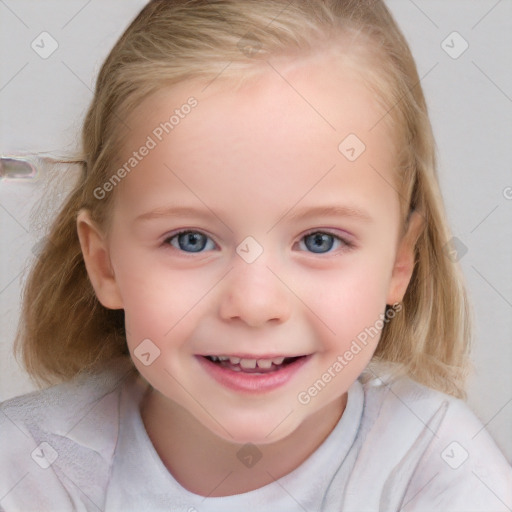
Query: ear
x=404 y=261
x=97 y=261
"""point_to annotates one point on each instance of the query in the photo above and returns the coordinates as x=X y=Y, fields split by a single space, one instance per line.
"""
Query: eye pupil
x=192 y=237
x=322 y=241
x=318 y=239
x=192 y=240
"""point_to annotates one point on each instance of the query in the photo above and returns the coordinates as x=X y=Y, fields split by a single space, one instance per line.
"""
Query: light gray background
x=42 y=103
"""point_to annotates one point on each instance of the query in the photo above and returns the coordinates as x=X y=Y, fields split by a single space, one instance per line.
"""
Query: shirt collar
x=140 y=481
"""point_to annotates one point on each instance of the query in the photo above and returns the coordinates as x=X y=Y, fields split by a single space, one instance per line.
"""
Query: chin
x=254 y=430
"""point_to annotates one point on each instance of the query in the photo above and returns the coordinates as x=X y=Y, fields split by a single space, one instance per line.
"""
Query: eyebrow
x=173 y=211
x=330 y=211
x=297 y=215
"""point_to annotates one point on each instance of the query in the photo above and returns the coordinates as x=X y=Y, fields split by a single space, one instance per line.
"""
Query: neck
x=208 y=465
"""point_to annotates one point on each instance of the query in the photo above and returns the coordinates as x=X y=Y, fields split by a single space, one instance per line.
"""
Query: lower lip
x=252 y=382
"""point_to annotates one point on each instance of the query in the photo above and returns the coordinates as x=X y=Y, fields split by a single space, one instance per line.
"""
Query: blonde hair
x=64 y=328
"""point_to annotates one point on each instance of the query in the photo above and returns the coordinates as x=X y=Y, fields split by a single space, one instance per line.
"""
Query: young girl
x=247 y=301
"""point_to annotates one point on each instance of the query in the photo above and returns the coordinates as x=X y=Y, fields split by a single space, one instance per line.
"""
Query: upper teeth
x=250 y=363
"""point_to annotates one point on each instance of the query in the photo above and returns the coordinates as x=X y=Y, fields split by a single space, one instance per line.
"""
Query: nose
x=254 y=294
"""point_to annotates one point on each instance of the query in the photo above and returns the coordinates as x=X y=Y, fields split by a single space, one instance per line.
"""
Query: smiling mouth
x=238 y=364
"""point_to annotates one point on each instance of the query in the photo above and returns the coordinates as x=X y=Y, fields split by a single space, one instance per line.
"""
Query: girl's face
x=287 y=191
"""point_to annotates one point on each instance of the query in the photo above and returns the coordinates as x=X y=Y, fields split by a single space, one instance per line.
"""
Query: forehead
x=329 y=89
x=293 y=121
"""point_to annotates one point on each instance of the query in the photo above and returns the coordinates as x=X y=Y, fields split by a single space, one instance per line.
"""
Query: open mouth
x=238 y=364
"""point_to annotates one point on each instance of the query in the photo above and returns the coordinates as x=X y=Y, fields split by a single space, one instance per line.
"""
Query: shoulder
x=55 y=439
x=443 y=455
x=63 y=407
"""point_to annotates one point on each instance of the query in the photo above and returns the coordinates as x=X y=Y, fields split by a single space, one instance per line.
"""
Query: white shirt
x=398 y=446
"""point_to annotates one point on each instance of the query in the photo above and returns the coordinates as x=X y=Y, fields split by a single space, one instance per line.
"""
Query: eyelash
x=346 y=244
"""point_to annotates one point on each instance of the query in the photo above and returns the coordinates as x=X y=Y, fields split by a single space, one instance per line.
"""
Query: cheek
x=345 y=301
x=160 y=303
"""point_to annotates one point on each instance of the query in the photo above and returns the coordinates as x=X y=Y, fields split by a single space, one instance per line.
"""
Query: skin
x=254 y=156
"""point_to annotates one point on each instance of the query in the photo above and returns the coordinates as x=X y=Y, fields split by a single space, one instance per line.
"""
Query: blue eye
x=190 y=241
x=320 y=242
x=317 y=242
